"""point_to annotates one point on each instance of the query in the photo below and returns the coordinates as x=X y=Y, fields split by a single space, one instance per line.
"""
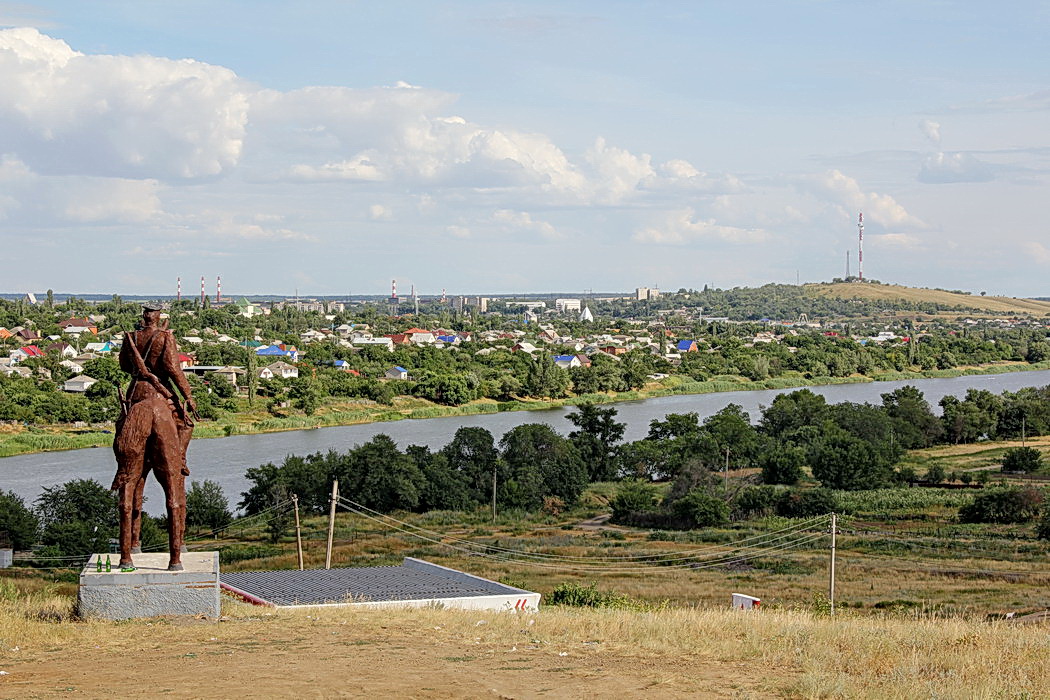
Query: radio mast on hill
x=860 y=247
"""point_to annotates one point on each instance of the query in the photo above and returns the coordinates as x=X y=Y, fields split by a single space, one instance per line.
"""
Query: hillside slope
x=889 y=293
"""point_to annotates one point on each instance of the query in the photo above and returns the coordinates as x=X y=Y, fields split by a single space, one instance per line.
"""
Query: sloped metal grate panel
x=356 y=584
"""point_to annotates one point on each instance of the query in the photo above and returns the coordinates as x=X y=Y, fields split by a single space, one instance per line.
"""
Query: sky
x=503 y=147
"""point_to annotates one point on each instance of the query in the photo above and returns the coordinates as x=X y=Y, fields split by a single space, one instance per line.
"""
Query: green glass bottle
x=108 y=565
x=98 y=564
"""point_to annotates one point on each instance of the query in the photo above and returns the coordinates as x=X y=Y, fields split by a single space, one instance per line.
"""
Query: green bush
x=756 y=500
x=633 y=497
x=1022 y=459
x=243 y=552
x=806 y=503
x=577 y=595
x=1042 y=530
x=700 y=509
x=1003 y=505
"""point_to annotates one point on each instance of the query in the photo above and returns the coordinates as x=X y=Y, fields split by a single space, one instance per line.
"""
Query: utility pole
x=331 y=525
x=831 y=583
x=494 y=466
x=298 y=532
x=727 y=471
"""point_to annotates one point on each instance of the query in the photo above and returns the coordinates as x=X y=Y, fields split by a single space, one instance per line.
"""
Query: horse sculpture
x=152 y=434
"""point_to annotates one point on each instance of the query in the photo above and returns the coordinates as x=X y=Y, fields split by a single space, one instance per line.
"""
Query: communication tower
x=860 y=247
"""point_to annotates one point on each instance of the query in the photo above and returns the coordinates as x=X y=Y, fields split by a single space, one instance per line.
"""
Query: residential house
x=396 y=373
x=686 y=346
x=384 y=342
x=64 y=349
x=399 y=339
x=449 y=339
x=232 y=374
x=286 y=352
x=584 y=360
x=28 y=335
x=566 y=361
x=279 y=369
x=78 y=384
x=98 y=347
x=186 y=360
x=73 y=366
x=12 y=369
x=193 y=339
x=344 y=366
x=76 y=326
x=5 y=334
x=613 y=349
x=524 y=346
x=25 y=352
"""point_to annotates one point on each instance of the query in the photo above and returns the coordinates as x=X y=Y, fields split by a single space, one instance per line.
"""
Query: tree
x=782 y=464
x=207 y=506
x=541 y=463
x=382 y=477
x=731 y=429
x=17 y=521
x=305 y=395
x=842 y=461
x=472 y=453
x=790 y=412
x=596 y=439
x=1023 y=459
x=444 y=488
x=78 y=517
x=914 y=425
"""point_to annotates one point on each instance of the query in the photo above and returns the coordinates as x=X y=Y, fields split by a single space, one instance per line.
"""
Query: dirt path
x=329 y=658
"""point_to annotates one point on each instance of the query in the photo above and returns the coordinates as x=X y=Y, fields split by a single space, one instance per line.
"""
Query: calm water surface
x=224 y=460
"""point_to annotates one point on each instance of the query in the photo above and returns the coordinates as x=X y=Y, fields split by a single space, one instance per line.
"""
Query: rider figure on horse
x=152 y=434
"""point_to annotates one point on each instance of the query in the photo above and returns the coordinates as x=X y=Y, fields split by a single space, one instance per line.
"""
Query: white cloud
x=940 y=168
x=35 y=200
x=681 y=227
x=931 y=130
x=522 y=220
x=378 y=212
x=843 y=190
x=67 y=113
x=458 y=231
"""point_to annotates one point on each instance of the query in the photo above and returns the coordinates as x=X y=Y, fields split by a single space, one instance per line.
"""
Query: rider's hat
x=152 y=306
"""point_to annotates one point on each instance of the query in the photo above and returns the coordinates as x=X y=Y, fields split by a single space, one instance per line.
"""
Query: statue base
x=150 y=590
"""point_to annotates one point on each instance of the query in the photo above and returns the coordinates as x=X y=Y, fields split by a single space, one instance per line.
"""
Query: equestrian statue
x=152 y=434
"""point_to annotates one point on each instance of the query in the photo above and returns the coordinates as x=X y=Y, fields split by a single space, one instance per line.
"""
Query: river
x=224 y=460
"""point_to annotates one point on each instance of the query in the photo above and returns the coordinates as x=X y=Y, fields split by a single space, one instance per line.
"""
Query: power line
x=642 y=558
x=642 y=566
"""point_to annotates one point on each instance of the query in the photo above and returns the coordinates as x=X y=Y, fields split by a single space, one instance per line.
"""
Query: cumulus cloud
x=377 y=212
x=846 y=192
x=931 y=130
x=31 y=199
x=682 y=226
x=942 y=168
x=67 y=113
x=523 y=221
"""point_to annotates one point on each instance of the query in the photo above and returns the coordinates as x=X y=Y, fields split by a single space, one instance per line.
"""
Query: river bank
x=22 y=440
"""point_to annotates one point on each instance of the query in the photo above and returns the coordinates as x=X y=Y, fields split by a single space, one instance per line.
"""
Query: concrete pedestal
x=151 y=589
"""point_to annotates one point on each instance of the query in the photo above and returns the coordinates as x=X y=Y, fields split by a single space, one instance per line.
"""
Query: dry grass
x=785 y=652
x=1000 y=305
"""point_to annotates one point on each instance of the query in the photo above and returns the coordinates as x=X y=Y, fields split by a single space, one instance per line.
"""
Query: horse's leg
x=129 y=446
x=167 y=461
x=136 y=518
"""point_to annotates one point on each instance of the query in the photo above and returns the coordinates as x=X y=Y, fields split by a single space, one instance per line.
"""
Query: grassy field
x=993 y=304
x=558 y=652
x=921 y=607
